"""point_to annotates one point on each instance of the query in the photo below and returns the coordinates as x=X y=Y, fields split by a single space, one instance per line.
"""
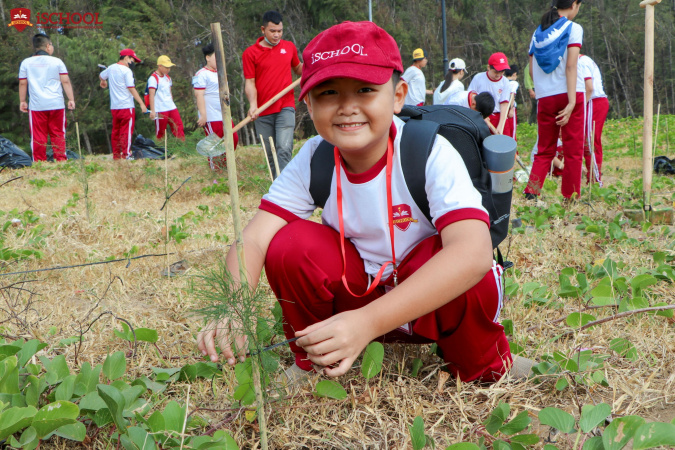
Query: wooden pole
x=267 y=161
x=274 y=156
x=224 y=92
x=648 y=114
x=267 y=104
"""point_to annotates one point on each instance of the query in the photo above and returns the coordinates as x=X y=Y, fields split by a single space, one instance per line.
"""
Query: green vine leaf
x=330 y=389
x=53 y=416
x=372 y=360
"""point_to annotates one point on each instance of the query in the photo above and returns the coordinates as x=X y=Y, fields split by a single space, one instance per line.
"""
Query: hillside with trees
x=614 y=38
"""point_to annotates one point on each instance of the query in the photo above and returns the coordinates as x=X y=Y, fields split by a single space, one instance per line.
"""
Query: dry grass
x=126 y=197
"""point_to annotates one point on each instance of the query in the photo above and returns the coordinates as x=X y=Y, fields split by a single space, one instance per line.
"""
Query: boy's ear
x=399 y=96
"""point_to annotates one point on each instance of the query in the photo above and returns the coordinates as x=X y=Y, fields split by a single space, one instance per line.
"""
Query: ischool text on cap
x=164 y=61
x=357 y=50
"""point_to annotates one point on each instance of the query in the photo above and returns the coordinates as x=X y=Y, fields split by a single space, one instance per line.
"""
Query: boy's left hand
x=339 y=339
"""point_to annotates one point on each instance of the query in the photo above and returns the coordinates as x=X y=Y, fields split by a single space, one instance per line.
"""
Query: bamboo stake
x=84 y=171
x=224 y=92
x=274 y=155
x=166 y=211
x=656 y=134
x=267 y=161
x=647 y=166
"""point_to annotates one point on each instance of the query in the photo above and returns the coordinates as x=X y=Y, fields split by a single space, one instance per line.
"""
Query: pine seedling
x=244 y=308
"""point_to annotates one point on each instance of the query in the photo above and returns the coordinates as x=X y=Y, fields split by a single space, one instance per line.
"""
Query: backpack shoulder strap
x=417 y=140
x=321 y=173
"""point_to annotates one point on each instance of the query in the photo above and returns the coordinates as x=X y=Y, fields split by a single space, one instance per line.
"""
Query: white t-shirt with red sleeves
x=43 y=73
x=163 y=98
x=460 y=98
x=120 y=79
x=591 y=70
x=499 y=89
x=207 y=80
x=452 y=198
x=554 y=83
x=417 y=89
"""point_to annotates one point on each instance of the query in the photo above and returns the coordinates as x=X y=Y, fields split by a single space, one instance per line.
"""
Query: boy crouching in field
x=361 y=275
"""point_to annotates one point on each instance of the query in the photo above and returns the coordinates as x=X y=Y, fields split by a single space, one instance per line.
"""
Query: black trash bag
x=12 y=156
x=664 y=166
x=69 y=155
x=144 y=148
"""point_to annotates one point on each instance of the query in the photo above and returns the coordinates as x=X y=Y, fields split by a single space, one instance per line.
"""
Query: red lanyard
x=376 y=281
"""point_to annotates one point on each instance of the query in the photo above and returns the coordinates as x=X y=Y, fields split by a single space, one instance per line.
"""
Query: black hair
x=551 y=16
x=271 y=16
x=514 y=69
x=41 y=41
x=395 y=78
x=448 y=78
x=122 y=57
x=485 y=104
x=208 y=49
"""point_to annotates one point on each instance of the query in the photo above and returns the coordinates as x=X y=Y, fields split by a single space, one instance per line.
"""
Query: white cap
x=458 y=64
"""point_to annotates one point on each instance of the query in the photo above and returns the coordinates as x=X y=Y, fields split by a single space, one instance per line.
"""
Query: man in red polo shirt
x=267 y=69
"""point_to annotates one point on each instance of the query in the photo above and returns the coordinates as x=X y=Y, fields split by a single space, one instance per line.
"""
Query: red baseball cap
x=130 y=52
x=357 y=50
x=499 y=62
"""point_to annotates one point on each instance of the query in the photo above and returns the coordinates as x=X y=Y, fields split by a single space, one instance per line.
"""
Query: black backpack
x=464 y=128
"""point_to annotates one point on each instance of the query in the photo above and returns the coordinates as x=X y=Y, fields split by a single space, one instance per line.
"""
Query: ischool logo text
x=21 y=19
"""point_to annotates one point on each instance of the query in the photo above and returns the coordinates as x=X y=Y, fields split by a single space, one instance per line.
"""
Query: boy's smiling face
x=356 y=116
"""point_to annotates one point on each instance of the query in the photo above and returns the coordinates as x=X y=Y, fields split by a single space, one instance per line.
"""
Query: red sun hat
x=130 y=52
x=357 y=50
x=499 y=62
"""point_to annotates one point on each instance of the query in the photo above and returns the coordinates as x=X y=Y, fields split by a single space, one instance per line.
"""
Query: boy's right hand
x=222 y=332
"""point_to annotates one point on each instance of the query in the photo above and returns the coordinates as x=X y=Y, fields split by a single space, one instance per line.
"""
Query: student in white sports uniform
x=483 y=102
x=554 y=56
x=494 y=82
x=413 y=75
x=596 y=113
x=376 y=267
x=162 y=108
x=44 y=78
x=452 y=82
x=205 y=84
x=122 y=95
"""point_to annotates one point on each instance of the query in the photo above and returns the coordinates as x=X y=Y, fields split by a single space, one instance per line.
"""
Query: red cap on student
x=130 y=52
x=357 y=50
x=499 y=61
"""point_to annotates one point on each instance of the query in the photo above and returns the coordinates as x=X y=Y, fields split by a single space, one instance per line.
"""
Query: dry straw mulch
x=126 y=197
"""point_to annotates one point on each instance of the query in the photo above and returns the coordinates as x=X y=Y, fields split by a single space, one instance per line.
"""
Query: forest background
x=613 y=37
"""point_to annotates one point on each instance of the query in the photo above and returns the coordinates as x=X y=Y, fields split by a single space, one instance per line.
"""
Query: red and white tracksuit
x=123 y=121
x=44 y=124
x=596 y=113
x=304 y=269
x=573 y=144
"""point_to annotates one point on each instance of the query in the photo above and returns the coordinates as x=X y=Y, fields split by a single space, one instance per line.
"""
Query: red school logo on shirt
x=20 y=18
x=402 y=217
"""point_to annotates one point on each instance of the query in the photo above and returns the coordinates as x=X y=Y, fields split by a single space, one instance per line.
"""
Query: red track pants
x=508 y=125
x=573 y=144
x=173 y=120
x=304 y=269
x=596 y=111
x=122 y=129
x=44 y=124
x=218 y=163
